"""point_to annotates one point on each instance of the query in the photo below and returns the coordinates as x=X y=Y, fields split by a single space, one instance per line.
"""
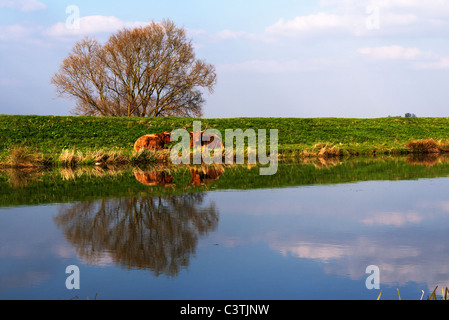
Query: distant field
x=299 y=137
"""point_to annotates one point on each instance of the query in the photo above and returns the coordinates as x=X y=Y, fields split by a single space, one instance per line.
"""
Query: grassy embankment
x=50 y=140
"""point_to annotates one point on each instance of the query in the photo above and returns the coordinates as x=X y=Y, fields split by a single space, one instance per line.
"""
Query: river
x=341 y=229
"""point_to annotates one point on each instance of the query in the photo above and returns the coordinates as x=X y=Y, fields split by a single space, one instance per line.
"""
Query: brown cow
x=203 y=175
x=213 y=143
x=154 y=178
x=155 y=141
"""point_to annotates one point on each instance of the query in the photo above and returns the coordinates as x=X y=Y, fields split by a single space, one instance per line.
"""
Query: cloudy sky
x=287 y=58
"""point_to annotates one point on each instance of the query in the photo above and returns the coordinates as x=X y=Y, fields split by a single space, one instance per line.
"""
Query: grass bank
x=54 y=140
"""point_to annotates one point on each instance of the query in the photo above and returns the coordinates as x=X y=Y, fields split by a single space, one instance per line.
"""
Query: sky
x=286 y=58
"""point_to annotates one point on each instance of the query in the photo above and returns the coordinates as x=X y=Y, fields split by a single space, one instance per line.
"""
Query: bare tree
x=148 y=71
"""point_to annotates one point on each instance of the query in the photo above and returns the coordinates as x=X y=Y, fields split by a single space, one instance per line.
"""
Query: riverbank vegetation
x=67 y=141
x=67 y=184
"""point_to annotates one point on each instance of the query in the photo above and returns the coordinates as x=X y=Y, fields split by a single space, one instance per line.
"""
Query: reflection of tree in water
x=157 y=233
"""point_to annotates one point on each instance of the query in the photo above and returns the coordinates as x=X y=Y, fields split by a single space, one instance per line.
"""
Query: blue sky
x=323 y=58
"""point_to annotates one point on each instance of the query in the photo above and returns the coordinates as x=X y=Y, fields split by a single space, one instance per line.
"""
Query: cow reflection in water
x=154 y=178
x=200 y=176
x=155 y=233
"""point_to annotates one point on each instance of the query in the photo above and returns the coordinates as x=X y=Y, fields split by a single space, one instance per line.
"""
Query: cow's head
x=166 y=137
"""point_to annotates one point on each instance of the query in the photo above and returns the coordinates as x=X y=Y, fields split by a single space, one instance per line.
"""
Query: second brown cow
x=155 y=141
x=213 y=140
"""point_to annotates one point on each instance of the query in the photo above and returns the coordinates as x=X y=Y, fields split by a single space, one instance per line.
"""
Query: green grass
x=48 y=136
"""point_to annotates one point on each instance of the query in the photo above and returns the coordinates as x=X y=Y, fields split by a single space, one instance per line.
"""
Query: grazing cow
x=155 y=141
x=203 y=175
x=154 y=178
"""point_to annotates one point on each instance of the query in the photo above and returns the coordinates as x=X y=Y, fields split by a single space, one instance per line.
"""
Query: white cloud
x=15 y=32
x=411 y=17
x=90 y=25
x=393 y=52
x=224 y=35
x=305 y=24
x=196 y=32
x=316 y=251
x=360 y=247
x=228 y=34
x=419 y=59
x=22 y=5
x=440 y=63
x=256 y=65
x=270 y=66
x=428 y=5
x=351 y=18
x=350 y=21
x=397 y=219
x=419 y=5
x=399 y=18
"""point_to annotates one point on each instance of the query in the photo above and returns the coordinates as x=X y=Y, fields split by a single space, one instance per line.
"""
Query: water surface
x=308 y=232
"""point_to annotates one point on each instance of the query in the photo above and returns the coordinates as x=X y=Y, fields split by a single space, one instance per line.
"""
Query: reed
x=149 y=157
x=327 y=150
x=22 y=157
x=433 y=296
x=68 y=157
x=109 y=157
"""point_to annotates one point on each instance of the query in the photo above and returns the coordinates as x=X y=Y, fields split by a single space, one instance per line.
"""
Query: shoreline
x=21 y=158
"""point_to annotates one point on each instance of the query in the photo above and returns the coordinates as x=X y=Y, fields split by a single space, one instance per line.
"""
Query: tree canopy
x=148 y=71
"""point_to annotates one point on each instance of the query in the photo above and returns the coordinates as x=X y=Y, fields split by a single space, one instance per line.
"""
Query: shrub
x=423 y=146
